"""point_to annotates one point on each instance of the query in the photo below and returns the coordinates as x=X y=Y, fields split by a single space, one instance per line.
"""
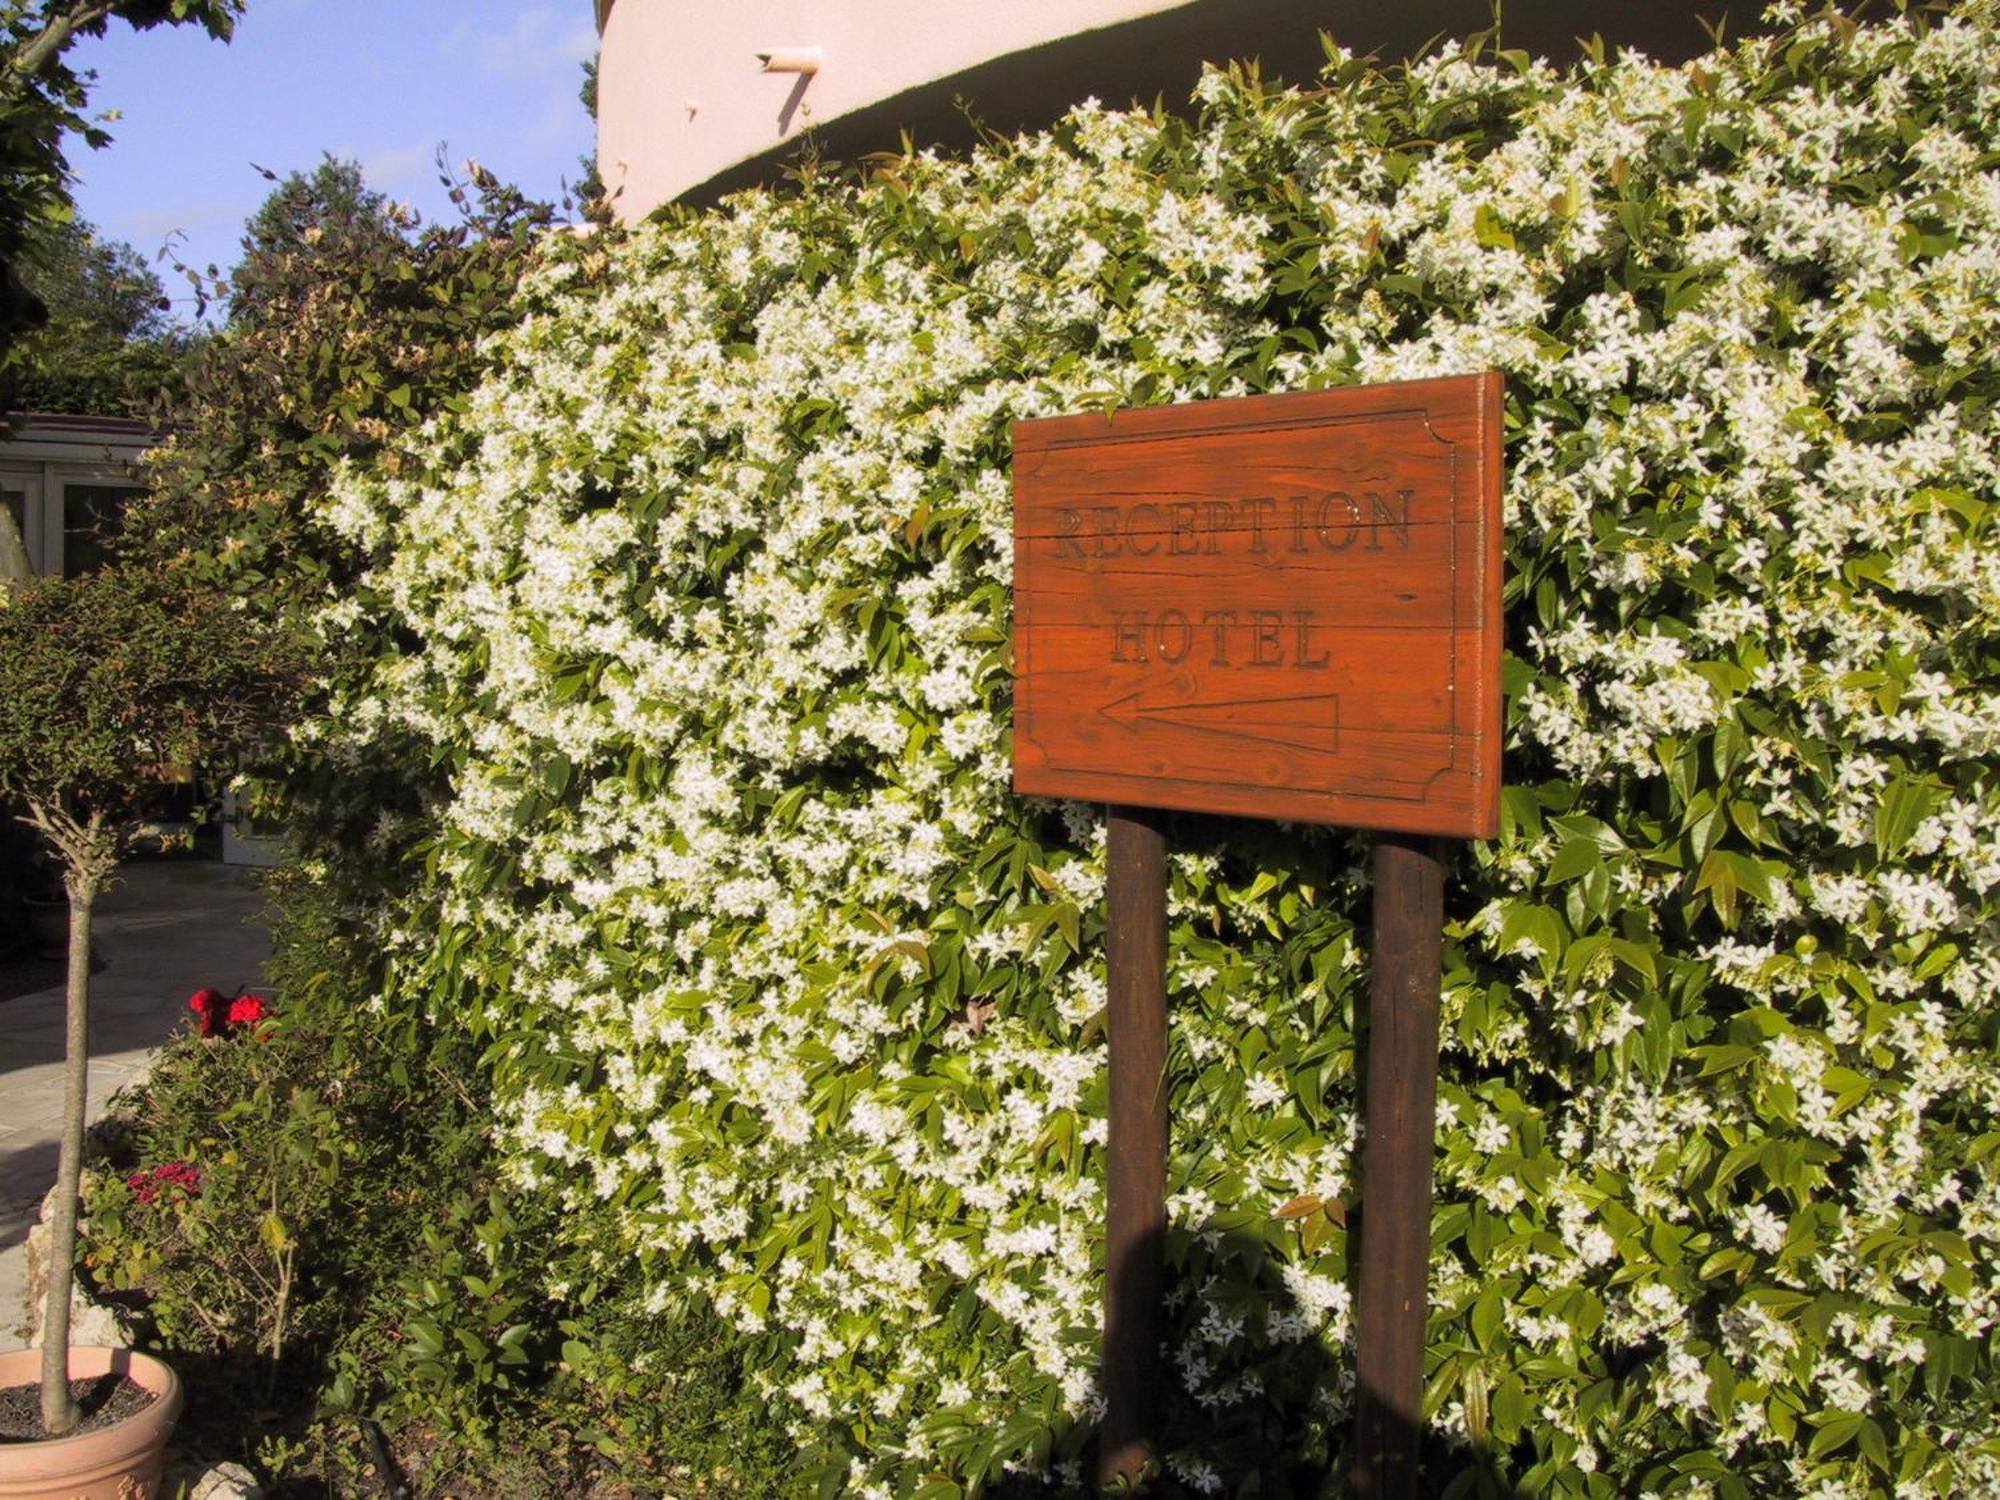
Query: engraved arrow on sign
x=1305 y=721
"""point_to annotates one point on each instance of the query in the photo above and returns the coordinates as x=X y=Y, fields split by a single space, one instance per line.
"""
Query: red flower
x=147 y=1185
x=217 y=1014
x=210 y=1009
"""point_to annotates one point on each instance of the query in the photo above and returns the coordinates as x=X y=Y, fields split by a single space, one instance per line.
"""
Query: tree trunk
x=58 y=1410
x=14 y=564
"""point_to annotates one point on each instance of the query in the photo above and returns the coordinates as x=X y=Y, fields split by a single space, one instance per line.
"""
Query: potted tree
x=106 y=680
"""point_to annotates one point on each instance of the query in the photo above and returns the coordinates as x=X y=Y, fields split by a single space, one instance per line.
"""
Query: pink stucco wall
x=681 y=97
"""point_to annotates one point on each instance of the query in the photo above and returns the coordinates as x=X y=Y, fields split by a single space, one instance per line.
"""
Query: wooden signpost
x=1275 y=607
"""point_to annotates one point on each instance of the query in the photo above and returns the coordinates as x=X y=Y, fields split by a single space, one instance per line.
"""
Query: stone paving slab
x=164 y=931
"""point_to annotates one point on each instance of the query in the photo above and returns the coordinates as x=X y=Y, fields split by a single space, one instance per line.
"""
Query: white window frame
x=47 y=455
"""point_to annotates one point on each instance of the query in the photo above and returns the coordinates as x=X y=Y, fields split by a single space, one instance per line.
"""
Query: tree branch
x=46 y=46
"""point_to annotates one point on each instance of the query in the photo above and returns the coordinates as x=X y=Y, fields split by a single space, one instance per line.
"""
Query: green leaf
x=1576 y=857
x=1904 y=806
x=1538 y=925
x=1488 y=1314
x=1783 y=1417
x=1835 y=1433
x=1722 y=1059
x=1875 y=1445
x=1489 y=230
x=271 y=1230
x=1511 y=1409
x=1520 y=813
x=1703 y=824
x=1718 y=877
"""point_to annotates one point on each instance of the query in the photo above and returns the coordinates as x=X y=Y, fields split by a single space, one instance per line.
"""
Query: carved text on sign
x=1331 y=522
x=1279 y=606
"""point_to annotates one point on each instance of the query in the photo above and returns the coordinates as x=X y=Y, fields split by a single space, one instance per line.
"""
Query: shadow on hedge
x=1288 y=1445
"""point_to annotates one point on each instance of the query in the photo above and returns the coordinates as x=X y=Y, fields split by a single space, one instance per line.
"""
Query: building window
x=92 y=517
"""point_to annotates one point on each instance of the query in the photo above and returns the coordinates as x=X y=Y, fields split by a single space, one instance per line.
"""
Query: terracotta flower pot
x=119 y=1462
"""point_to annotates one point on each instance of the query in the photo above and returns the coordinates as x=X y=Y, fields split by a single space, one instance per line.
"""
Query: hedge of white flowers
x=701 y=604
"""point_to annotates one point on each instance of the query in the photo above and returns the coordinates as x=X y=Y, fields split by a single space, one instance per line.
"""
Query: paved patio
x=164 y=931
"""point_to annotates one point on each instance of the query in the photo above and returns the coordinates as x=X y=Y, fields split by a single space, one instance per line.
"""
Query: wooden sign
x=1277 y=607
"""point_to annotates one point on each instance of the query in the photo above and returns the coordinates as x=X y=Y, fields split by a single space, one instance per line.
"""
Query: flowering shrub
x=328 y=1244
x=698 y=607
x=211 y=1011
x=217 y=1014
x=148 y=1184
x=306 y=1168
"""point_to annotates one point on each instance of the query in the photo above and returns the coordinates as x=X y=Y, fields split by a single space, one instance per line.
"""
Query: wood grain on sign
x=1275 y=607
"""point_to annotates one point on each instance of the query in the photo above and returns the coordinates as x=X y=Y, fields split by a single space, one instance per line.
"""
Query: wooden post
x=1396 y=1167
x=1165 y=656
x=1136 y=1173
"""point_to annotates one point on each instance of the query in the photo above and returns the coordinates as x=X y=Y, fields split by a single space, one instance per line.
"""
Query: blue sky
x=380 y=81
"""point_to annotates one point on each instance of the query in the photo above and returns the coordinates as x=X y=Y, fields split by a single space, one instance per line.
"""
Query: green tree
x=347 y=324
x=108 y=346
x=325 y=217
x=589 y=193
x=105 y=680
x=43 y=100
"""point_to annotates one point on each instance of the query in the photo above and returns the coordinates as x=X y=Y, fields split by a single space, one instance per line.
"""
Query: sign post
x=1275 y=607
x=1396 y=1167
x=1136 y=1145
